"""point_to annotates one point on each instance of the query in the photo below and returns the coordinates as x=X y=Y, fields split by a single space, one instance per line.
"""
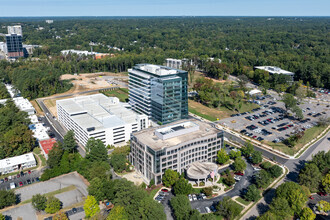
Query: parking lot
x=20 y=180
x=68 y=198
x=270 y=123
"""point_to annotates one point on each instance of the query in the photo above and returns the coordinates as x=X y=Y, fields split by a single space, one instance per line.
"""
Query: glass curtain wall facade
x=14 y=46
x=163 y=97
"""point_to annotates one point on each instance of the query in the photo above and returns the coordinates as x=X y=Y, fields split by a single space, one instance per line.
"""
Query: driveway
x=245 y=181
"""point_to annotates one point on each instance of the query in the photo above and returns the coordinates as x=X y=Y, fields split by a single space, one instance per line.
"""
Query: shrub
x=266 y=165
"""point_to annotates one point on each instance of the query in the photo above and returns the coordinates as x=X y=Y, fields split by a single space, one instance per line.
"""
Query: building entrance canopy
x=202 y=170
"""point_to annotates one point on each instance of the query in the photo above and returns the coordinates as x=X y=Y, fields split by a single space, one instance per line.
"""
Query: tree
x=53 y=205
x=307 y=214
x=263 y=179
x=39 y=202
x=310 y=176
x=152 y=183
x=55 y=155
x=248 y=149
x=69 y=143
x=150 y=209
x=208 y=191
x=96 y=150
x=117 y=212
x=233 y=154
x=267 y=216
x=280 y=208
x=326 y=183
x=119 y=162
x=2 y=217
x=228 y=208
x=239 y=164
x=222 y=156
x=60 y=216
x=297 y=201
x=181 y=207
x=323 y=206
x=170 y=177
x=229 y=180
x=275 y=171
x=91 y=206
x=253 y=193
x=182 y=187
x=256 y=157
x=7 y=198
x=286 y=189
x=266 y=165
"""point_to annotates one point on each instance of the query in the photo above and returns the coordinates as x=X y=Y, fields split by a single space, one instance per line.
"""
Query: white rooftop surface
x=11 y=90
x=274 y=70
x=102 y=111
x=254 y=91
x=33 y=118
x=13 y=161
x=40 y=132
x=23 y=104
x=159 y=70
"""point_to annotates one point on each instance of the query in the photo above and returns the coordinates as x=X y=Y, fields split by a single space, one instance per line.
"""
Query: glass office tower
x=14 y=46
x=159 y=92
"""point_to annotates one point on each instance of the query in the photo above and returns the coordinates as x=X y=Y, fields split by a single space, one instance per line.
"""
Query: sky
x=14 y=8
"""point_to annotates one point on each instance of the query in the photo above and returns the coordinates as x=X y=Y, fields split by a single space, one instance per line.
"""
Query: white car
x=256 y=168
x=208 y=210
x=194 y=197
x=189 y=197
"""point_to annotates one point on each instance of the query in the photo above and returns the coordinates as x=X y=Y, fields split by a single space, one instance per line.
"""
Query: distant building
x=49 y=21
x=29 y=48
x=101 y=117
x=23 y=105
x=46 y=146
x=17 y=29
x=78 y=52
x=159 y=92
x=3 y=47
x=174 y=63
x=40 y=132
x=12 y=164
x=174 y=146
x=14 y=46
x=276 y=70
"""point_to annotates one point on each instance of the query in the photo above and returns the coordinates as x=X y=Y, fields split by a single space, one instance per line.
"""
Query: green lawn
x=243 y=201
x=153 y=192
x=310 y=134
x=121 y=93
x=208 y=117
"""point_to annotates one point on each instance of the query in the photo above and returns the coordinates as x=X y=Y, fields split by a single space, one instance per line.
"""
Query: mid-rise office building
x=174 y=146
x=14 y=46
x=100 y=117
x=159 y=92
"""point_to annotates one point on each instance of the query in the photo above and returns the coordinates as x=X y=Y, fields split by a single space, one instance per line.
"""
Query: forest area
x=299 y=45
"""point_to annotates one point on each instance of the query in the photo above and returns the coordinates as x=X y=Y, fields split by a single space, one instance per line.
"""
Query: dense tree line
x=3 y=92
x=15 y=136
x=298 y=45
x=316 y=173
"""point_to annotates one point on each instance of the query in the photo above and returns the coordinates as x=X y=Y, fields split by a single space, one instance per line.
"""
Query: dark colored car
x=74 y=210
x=28 y=181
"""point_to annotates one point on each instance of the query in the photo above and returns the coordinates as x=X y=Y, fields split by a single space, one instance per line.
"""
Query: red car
x=322 y=194
x=311 y=197
x=18 y=176
x=20 y=184
x=164 y=190
x=29 y=171
x=254 y=137
x=239 y=173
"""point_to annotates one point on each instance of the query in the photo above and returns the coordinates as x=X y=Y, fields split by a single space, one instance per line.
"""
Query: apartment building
x=174 y=146
x=101 y=117
x=159 y=92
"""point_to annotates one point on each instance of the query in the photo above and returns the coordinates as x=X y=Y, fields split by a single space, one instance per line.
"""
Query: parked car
x=28 y=181
x=190 y=198
x=20 y=184
x=239 y=173
x=208 y=210
x=194 y=197
x=164 y=190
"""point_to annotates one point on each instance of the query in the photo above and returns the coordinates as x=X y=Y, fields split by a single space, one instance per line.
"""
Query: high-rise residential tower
x=159 y=92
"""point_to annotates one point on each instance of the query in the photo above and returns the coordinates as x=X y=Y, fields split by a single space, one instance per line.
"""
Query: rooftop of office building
x=175 y=133
x=98 y=111
x=157 y=69
x=274 y=70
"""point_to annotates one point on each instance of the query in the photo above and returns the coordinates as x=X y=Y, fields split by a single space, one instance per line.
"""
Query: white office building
x=276 y=70
x=101 y=117
x=12 y=164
